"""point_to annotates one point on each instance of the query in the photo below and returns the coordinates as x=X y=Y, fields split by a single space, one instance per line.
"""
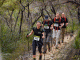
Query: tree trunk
x=21 y=22
x=48 y=14
x=42 y=14
x=16 y=20
x=79 y=12
x=11 y=19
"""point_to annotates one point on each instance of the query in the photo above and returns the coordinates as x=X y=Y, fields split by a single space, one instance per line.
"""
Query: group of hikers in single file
x=46 y=29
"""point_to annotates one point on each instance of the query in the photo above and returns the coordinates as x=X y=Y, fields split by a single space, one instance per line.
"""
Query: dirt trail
x=55 y=54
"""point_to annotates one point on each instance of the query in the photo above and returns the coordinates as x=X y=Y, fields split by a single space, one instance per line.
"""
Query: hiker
x=47 y=25
x=57 y=25
x=37 y=41
x=65 y=21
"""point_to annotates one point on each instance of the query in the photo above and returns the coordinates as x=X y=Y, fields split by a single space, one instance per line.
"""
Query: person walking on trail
x=37 y=41
x=57 y=25
x=47 y=25
x=65 y=21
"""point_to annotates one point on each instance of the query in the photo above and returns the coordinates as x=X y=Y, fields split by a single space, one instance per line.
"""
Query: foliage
x=14 y=44
x=77 y=41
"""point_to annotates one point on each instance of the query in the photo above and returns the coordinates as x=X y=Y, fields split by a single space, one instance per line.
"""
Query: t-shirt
x=64 y=22
x=47 y=25
x=57 y=23
x=38 y=32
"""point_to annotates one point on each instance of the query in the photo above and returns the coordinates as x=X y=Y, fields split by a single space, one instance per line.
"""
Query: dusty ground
x=56 y=54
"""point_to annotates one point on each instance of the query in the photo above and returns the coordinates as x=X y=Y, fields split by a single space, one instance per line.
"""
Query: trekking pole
x=44 y=56
x=44 y=44
x=28 y=24
x=44 y=52
x=28 y=43
x=51 y=40
x=72 y=27
x=66 y=33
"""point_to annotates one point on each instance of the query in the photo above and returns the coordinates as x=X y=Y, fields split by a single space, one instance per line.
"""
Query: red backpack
x=59 y=19
x=44 y=22
x=59 y=22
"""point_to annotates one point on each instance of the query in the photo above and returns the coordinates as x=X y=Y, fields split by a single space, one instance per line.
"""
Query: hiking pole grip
x=27 y=35
x=28 y=40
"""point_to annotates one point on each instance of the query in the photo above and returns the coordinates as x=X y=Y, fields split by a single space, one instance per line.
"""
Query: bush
x=13 y=44
x=77 y=41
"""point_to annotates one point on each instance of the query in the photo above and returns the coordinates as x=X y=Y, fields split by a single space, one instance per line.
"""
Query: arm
x=51 y=27
x=62 y=24
x=42 y=25
x=66 y=24
x=30 y=33
x=66 y=21
x=43 y=35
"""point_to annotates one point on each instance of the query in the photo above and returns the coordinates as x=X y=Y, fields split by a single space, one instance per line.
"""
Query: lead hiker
x=37 y=41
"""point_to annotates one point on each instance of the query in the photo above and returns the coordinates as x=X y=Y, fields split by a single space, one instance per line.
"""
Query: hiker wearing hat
x=65 y=20
x=57 y=25
x=47 y=25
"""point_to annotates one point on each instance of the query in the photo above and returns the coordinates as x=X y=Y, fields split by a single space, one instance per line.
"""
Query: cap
x=46 y=17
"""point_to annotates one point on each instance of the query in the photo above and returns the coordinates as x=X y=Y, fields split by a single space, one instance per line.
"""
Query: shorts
x=35 y=44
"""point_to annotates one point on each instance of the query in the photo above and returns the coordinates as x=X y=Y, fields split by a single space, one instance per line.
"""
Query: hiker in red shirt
x=57 y=25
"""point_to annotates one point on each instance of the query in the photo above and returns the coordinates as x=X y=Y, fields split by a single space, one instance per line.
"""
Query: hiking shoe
x=59 y=42
x=49 y=50
x=44 y=52
x=54 y=42
x=40 y=57
x=62 y=41
x=56 y=47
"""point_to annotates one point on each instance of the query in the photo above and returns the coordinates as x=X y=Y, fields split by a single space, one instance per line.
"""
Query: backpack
x=59 y=19
x=59 y=22
x=65 y=19
x=48 y=22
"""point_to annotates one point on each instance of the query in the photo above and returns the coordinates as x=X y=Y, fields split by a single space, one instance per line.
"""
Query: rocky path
x=55 y=54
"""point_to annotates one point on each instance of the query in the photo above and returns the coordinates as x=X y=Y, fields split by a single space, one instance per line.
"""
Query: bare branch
x=6 y=21
x=73 y=2
x=53 y=10
x=11 y=19
x=16 y=20
x=36 y=20
x=48 y=14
